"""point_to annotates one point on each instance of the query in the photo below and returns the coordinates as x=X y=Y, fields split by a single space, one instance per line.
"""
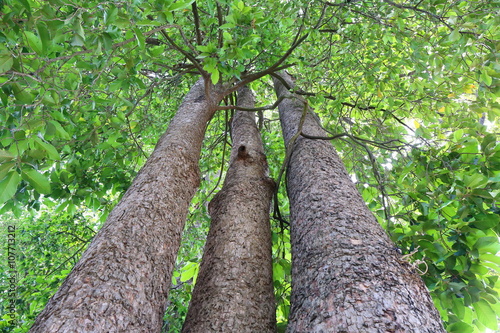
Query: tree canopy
x=409 y=90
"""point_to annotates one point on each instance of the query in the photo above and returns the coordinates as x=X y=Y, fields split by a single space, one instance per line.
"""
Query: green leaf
x=5 y=168
x=488 y=143
x=140 y=38
x=215 y=76
x=487 y=244
x=44 y=35
x=460 y=327
x=458 y=307
x=486 y=221
x=491 y=258
x=458 y=134
x=78 y=29
x=21 y=94
x=34 y=42
x=485 y=78
x=6 y=156
x=110 y=15
x=227 y=26
x=180 y=5
x=169 y=16
x=60 y=131
x=8 y=186
x=475 y=181
x=6 y=62
x=26 y=5
x=50 y=149
x=208 y=49
x=454 y=36
x=37 y=180
x=189 y=271
x=278 y=272
x=78 y=40
x=485 y=314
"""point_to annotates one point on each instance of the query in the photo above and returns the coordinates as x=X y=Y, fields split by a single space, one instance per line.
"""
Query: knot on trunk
x=242 y=152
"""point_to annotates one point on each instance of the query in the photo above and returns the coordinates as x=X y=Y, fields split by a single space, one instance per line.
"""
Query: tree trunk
x=234 y=290
x=122 y=280
x=346 y=274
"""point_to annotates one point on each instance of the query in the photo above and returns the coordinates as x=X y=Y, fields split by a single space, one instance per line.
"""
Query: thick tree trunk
x=346 y=274
x=234 y=290
x=121 y=282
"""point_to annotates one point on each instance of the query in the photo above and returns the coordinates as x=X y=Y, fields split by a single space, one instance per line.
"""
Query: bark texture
x=234 y=290
x=122 y=280
x=346 y=274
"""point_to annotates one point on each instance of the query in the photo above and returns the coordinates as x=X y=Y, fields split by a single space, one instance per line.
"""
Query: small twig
x=406 y=257
x=321 y=17
x=274 y=68
x=188 y=43
x=134 y=138
x=223 y=155
x=378 y=178
x=186 y=54
x=383 y=145
x=414 y=265
x=65 y=261
x=376 y=19
x=72 y=234
x=256 y=76
x=342 y=4
x=336 y=136
x=262 y=108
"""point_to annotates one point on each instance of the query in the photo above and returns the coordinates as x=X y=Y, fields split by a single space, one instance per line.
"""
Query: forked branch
x=274 y=68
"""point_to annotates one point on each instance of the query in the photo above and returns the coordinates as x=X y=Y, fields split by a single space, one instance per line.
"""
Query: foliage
x=87 y=88
x=47 y=247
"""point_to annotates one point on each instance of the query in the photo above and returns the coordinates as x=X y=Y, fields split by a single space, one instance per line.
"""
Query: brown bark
x=234 y=290
x=346 y=274
x=121 y=282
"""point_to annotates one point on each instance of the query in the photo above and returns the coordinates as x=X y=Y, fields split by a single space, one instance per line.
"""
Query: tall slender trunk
x=121 y=282
x=346 y=274
x=234 y=290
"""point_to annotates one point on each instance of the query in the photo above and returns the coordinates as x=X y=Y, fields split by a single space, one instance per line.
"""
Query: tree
x=347 y=275
x=119 y=283
x=86 y=88
x=234 y=289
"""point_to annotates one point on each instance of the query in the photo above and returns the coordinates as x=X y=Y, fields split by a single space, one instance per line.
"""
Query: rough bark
x=121 y=282
x=234 y=289
x=346 y=274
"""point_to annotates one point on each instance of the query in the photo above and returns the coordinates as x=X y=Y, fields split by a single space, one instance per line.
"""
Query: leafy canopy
x=87 y=87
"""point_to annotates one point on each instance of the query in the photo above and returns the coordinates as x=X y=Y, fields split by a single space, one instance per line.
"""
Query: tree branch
x=342 y=4
x=336 y=136
x=255 y=76
x=199 y=40
x=262 y=108
x=437 y=17
x=221 y=22
x=114 y=46
x=188 y=43
x=186 y=54
x=274 y=68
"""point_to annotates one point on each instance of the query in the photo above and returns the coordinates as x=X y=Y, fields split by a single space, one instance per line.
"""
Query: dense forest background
x=409 y=89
